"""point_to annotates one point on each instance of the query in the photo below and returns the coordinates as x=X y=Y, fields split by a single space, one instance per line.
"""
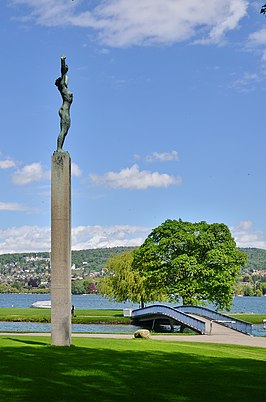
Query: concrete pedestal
x=61 y=249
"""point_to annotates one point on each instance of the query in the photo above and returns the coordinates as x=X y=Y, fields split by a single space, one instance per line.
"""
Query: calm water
x=36 y=327
x=80 y=301
x=255 y=305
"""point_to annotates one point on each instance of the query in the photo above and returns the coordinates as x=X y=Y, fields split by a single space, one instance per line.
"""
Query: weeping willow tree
x=123 y=282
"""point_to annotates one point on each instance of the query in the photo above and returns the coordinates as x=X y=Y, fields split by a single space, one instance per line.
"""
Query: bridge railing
x=172 y=313
x=226 y=320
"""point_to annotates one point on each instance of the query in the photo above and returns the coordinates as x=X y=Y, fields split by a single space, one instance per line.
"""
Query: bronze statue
x=64 y=111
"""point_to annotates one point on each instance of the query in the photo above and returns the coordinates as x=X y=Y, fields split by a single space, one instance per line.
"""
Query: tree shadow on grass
x=34 y=372
x=27 y=341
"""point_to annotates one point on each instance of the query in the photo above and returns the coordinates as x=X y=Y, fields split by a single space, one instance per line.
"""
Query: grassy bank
x=80 y=316
x=252 y=318
x=110 y=370
x=93 y=316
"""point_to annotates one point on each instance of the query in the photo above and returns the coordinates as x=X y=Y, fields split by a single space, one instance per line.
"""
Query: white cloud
x=122 y=23
x=75 y=170
x=162 y=156
x=47 y=12
x=12 y=206
x=24 y=239
x=133 y=178
x=29 y=174
x=257 y=42
x=7 y=164
x=246 y=235
x=34 y=238
x=85 y=237
x=231 y=12
x=258 y=38
x=247 y=82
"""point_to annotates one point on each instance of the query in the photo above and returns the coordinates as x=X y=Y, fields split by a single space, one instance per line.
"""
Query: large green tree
x=125 y=283
x=195 y=261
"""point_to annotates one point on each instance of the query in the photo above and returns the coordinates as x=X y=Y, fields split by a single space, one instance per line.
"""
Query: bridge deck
x=217 y=317
x=215 y=328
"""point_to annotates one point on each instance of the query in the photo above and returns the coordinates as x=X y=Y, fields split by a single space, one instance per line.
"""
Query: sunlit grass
x=80 y=316
x=129 y=370
x=94 y=316
x=249 y=317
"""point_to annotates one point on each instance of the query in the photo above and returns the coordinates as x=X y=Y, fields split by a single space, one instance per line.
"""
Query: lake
x=255 y=305
x=240 y=304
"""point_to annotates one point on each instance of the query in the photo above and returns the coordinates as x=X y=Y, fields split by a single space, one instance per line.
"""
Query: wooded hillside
x=256 y=258
x=95 y=259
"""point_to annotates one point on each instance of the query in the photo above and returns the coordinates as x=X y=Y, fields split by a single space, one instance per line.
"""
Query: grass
x=81 y=316
x=108 y=370
x=249 y=317
x=100 y=317
x=94 y=316
x=25 y=314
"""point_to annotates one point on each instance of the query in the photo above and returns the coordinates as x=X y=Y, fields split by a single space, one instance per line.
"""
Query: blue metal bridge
x=200 y=319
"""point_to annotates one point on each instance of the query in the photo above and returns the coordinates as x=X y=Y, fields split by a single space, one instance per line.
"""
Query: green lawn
x=93 y=316
x=129 y=370
x=81 y=316
x=25 y=314
x=100 y=316
x=252 y=318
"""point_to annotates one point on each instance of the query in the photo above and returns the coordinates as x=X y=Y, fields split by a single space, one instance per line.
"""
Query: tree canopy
x=195 y=261
x=124 y=283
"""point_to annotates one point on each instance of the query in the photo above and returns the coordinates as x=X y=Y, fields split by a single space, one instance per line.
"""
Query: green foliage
x=6 y=288
x=18 y=270
x=124 y=283
x=80 y=286
x=77 y=287
x=256 y=259
x=195 y=261
x=95 y=259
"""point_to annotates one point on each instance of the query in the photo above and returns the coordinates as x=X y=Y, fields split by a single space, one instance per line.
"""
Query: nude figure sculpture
x=67 y=97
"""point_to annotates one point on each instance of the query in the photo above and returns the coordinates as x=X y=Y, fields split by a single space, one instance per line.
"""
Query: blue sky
x=167 y=118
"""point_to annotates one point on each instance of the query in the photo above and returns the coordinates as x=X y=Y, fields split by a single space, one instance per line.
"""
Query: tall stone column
x=61 y=249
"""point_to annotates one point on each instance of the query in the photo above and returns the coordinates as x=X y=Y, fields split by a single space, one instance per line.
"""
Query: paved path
x=234 y=338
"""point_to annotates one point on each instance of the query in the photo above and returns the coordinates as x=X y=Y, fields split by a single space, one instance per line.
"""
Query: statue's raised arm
x=64 y=70
x=67 y=97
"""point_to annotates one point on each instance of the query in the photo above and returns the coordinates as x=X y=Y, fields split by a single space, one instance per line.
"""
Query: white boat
x=42 y=304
